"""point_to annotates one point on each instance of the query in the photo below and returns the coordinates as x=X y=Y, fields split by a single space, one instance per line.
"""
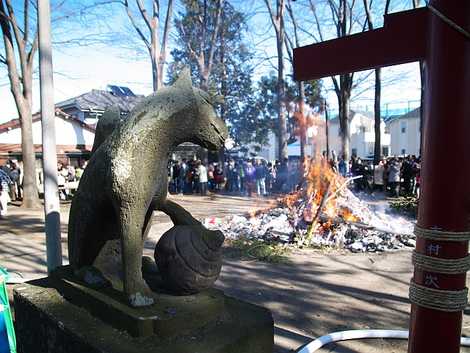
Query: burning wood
x=323 y=212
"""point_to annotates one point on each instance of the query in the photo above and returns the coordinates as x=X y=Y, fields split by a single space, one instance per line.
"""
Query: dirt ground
x=315 y=293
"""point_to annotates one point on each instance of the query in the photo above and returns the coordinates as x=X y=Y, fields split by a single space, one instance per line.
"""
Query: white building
x=315 y=144
x=75 y=123
x=74 y=138
x=362 y=139
x=362 y=135
x=405 y=133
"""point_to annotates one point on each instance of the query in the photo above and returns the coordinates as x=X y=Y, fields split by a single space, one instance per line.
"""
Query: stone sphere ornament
x=189 y=258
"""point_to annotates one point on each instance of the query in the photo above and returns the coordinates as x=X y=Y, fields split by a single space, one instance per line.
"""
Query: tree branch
x=144 y=14
x=294 y=22
x=289 y=47
x=335 y=83
x=188 y=44
x=33 y=49
x=280 y=9
x=270 y=10
x=15 y=83
x=166 y=30
x=387 y=7
x=156 y=8
x=351 y=22
x=203 y=21
x=220 y=5
x=134 y=24
x=334 y=10
x=16 y=30
x=26 y=20
x=317 y=21
x=368 y=15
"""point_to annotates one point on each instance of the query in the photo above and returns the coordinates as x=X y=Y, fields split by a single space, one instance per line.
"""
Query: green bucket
x=7 y=331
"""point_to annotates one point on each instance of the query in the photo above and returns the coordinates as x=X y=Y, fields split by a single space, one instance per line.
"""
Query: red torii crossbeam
x=423 y=35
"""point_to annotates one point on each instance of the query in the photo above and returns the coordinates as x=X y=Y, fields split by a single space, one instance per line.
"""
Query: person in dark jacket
x=250 y=178
x=394 y=177
x=260 y=175
x=5 y=183
x=407 y=174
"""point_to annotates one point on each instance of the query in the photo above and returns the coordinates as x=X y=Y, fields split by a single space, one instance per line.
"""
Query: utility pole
x=49 y=154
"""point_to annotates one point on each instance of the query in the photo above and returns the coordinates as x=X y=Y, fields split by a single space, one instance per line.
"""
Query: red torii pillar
x=429 y=35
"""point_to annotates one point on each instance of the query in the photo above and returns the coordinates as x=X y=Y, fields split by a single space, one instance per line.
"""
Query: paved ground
x=314 y=294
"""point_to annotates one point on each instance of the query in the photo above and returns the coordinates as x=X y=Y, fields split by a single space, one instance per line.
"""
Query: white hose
x=357 y=334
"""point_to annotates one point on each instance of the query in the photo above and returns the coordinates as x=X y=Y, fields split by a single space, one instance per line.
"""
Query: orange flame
x=319 y=190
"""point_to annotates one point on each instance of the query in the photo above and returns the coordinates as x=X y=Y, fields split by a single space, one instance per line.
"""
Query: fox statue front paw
x=138 y=300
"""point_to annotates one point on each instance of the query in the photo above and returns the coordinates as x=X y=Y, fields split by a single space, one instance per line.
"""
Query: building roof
x=15 y=123
x=100 y=100
x=415 y=113
x=366 y=113
x=15 y=148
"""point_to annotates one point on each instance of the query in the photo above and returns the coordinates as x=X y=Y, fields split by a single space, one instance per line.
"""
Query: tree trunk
x=155 y=76
x=30 y=189
x=377 y=117
x=23 y=99
x=280 y=99
x=166 y=32
x=223 y=85
x=21 y=88
x=303 y=127
x=344 y=101
x=327 y=132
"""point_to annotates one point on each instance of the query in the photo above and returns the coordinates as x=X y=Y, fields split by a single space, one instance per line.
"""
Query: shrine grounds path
x=314 y=293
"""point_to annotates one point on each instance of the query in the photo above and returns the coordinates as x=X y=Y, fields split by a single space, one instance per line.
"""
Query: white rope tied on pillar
x=441 y=235
x=439 y=265
x=438 y=299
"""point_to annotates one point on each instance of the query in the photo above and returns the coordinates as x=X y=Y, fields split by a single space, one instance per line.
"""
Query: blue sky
x=82 y=68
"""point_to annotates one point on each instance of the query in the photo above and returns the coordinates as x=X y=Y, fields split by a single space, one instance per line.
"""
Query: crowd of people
x=68 y=177
x=394 y=175
x=10 y=184
x=241 y=177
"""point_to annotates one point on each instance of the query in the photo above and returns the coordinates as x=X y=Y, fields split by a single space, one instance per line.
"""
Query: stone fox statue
x=126 y=177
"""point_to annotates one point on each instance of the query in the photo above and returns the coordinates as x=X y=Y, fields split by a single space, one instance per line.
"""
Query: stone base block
x=170 y=315
x=46 y=322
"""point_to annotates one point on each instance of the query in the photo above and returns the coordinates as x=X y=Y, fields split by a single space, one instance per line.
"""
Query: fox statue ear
x=214 y=97
x=217 y=99
x=184 y=79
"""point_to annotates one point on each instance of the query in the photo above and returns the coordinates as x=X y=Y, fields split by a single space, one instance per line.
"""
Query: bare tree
x=277 y=20
x=20 y=46
x=378 y=87
x=344 y=21
x=150 y=35
x=301 y=85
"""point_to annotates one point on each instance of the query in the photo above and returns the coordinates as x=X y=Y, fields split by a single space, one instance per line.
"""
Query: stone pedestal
x=58 y=315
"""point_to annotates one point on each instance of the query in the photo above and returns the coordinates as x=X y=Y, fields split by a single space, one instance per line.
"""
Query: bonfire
x=315 y=204
x=322 y=212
